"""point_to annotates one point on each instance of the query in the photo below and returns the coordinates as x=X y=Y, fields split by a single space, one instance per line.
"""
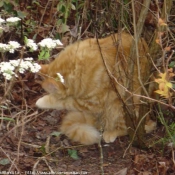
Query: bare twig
x=12 y=161
x=101 y=152
x=28 y=118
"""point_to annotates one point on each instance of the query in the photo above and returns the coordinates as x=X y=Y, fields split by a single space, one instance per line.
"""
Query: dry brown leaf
x=162 y=22
x=158 y=41
x=167 y=48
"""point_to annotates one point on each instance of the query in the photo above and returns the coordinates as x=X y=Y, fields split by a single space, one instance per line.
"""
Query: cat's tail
x=79 y=127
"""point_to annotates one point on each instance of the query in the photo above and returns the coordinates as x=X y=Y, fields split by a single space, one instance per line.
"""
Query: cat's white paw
x=41 y=103
x=109 y=136
x=45 y=102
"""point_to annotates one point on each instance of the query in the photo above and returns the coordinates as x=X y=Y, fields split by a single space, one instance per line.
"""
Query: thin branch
x=101 y=153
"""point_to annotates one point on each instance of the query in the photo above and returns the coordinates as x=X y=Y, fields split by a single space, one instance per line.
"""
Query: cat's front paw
x=46 y=102
x=109 y=136
x=43 y=102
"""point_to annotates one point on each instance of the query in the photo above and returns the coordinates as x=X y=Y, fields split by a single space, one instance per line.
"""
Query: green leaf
x=172 y=64
x=47 y=55
x=8 y=7
x=59 y=22
x=40 y=56
x=4 y=161
x=21 y=15
x=35 y=2
x=64 y=28
x=25 y=39
x=55 y=133
x=7 y=118
x=73 y=154
x=43 y=149
x=44 y=54
x=59 y=6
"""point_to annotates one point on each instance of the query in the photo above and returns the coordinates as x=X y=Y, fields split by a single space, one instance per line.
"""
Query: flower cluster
x=10 y=47
x=4 y=47
x=49 y=43
x=8 y=68
x=31 y=44
x=13 y=19
x=13 y=45
x=10 y=20
x=1 y=20
x=45 y=43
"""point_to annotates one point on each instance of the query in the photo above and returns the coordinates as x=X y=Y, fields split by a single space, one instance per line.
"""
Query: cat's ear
x=50 y=86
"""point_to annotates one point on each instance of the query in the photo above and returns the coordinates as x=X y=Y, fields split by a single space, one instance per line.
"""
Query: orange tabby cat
x=86 y=91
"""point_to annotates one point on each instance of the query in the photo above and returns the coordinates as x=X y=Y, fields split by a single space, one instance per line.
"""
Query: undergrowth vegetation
x=36 y=36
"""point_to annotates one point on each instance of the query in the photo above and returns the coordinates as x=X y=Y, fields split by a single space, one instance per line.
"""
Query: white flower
x=7 y=76
x=28 y=59
x=30 y=43
x=21 y=70
x=1 y=20
x=49 y=43
x=58 y=42
x=23 y=66
x=13 y=45
x=15 y=63
x=13 y=19
x=60 y=77
x=4 y=47
x=8 y=68
x=36 y=67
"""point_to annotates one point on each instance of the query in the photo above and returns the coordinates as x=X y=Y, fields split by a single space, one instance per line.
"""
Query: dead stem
x=12 y=161
x=27 y=119
x=101 y=154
